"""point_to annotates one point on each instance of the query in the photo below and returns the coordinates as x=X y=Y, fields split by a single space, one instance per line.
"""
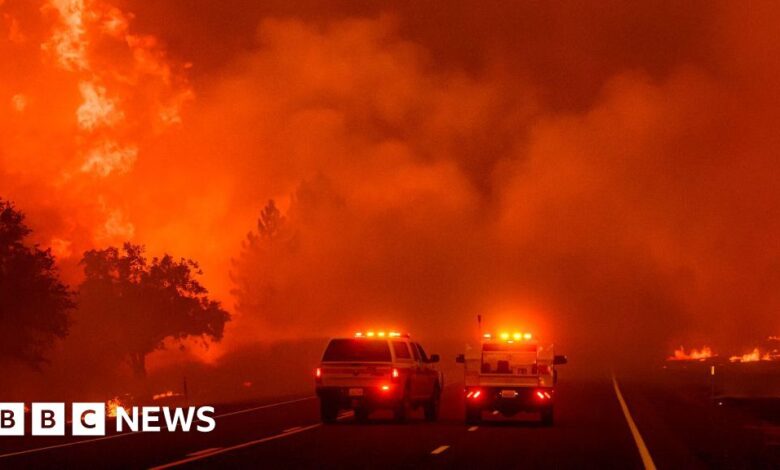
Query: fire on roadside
x=111 y=406
x=168 y=394
x=753 y=356
x=693 y=355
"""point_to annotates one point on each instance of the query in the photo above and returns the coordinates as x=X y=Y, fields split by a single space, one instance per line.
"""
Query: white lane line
x=647 y=460
x=473 y=428
x=68 y=444
x=291 y=429
x=439 y=450
x=132 y=433
x=204 y=452
x=235 y=447
x=271 y=405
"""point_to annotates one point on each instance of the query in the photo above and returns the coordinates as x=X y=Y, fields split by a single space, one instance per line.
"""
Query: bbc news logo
x=89 y=419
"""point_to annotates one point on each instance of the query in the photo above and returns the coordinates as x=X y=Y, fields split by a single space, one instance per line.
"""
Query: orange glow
x=694 y=355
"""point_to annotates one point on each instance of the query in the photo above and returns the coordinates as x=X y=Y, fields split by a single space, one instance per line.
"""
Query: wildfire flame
x=753 y=356
x=114 y=89
x=694 y=355
x=112 y=405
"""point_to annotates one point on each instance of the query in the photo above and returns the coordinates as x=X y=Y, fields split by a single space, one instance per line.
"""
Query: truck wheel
x=431 y=407
x=361 y=414
x=473 y=415
x=547 y=416
x=400 y=412
x=329 y=410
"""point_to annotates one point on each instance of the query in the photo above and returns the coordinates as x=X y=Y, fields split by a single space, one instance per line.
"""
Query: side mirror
x=560 y=360
x=460 y=359
x=434 y=358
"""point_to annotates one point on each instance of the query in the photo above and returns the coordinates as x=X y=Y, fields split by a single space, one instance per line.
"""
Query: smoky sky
x=601 y=172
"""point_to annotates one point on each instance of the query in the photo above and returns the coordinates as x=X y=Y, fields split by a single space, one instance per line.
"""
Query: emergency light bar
x=380 y=334
x=517 y=336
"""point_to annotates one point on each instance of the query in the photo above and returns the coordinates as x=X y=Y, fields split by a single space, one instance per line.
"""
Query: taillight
x=318 y=374
x=473 y=394
x=395 y=374
x=543 y=395
x=385 y=388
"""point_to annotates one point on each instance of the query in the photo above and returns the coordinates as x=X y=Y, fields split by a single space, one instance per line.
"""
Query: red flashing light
x=385 y=388
x=395 y=373
x=473 y=394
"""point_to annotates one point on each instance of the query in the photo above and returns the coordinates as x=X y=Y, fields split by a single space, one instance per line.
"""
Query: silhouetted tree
x=134 y=305
x=255 y=272
x=271 y=221
x=34 y=304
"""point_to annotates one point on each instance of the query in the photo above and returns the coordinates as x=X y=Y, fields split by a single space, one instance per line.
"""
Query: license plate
x=356 y=392
x=508 y=394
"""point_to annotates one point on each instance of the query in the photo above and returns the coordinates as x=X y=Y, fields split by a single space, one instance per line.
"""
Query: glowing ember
x=753 y=356
x=168 y=394
x=111 y=406
x=694 y=355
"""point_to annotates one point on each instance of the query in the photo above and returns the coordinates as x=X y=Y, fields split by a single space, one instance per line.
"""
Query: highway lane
x=591 y=431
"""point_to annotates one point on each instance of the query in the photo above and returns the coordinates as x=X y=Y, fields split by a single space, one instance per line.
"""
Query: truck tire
x=329 y=410
x=431 y=407
x=400 y=412
x=547 y=416
x=473 y=415
x=361 y=414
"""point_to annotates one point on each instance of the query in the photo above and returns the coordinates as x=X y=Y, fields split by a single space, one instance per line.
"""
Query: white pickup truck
x=375 y=370
x=510 y=374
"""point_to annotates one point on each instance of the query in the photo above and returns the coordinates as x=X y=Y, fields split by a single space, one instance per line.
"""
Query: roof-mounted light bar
x=380 y=334
x=511 y=338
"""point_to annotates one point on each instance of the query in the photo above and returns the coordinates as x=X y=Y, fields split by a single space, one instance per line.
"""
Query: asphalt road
x=679 y=427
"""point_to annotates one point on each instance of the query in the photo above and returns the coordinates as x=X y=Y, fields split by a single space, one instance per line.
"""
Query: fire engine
x=377 y=370
x=508 y=374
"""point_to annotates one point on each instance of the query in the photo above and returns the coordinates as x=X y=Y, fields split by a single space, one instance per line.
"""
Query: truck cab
x=377 y=370
x=510 y=374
